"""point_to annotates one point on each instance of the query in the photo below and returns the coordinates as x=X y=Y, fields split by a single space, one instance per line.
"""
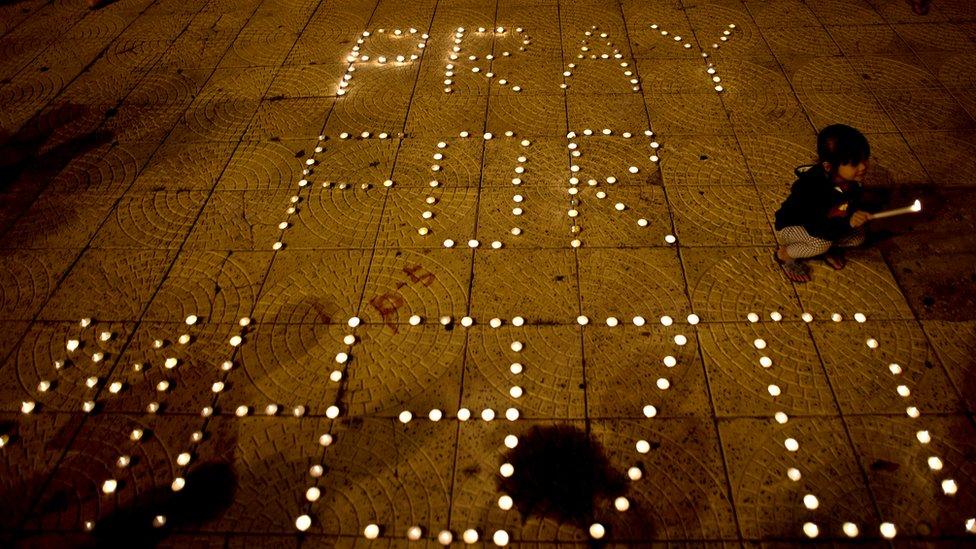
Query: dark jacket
x=819 y=206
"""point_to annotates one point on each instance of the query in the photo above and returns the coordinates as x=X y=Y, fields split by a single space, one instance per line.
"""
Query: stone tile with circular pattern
x=460 y=166
x=301 y=118
x=42 y=356
x=909 y=493
x=740 y=384
x=266 y=165
x=765 y=112
x=625 y=363
x=864 y=285
x=216 y=286
x=546 y=164
x=59 y=220
x=862 y=378
x=954 y=343
x=288 y=365
x=552 y=377
x=674 y=114
x=719 y=215
x=943 y=155
x=109 y=285
x=527 y=115
x=313 y=287
x=480 y=452
x=174 y=166
x=854 y=108
x=241 y=220
x=437 y=115
x=452 y=217
x=768 y=503
x=28 y=278
x=381 y=383
x=542 y=218
x=388 y=474
x=631 y=282
x=337 y=218
x=428 y=283
x=183 y=388
x=150 y=220
x=499 y=273
x=37 y=442
x=729 y=283
x=703 y=160
x=683 y=494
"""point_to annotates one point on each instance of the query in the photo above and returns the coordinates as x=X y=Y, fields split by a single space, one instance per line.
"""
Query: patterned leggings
x=800 y=244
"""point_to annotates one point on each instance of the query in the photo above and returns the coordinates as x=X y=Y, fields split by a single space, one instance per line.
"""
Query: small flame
x=917 y=206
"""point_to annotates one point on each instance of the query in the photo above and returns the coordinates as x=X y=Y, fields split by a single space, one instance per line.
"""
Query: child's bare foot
x=835 y=259
x=793 y=269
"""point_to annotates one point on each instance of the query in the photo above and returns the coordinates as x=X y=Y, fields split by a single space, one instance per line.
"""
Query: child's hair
x=840 y=144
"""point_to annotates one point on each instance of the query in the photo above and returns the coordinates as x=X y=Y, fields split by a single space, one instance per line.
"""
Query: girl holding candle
x=822 y=215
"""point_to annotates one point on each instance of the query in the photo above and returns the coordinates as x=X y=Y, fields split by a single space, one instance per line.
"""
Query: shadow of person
x=209 y=491
x=27 y=164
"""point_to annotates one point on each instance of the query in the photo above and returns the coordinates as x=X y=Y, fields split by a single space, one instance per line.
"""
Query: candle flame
x=917 y=206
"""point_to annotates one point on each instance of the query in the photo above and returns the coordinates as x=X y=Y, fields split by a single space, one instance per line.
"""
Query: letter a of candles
x=914 y=208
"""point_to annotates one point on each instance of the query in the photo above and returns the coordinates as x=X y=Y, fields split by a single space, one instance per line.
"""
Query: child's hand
x=859 y=218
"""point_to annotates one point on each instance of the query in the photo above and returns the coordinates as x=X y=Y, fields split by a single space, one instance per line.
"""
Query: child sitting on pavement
x=823 y=215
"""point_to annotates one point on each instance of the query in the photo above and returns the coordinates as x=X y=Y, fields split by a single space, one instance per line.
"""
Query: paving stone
x=308 y=287
x=862 y=378
x=460 y=167
x=815 y=41
x=869 y=39
x=624 y=364
x=858 y=108
x=941 y=155
x=865 y=285
x=174 y=165
x=628 y=283
x=59 y=220
x=37 y=442
x=768 y=503
x=109 y=285
x=453 y=216
x=673 y=114
x=546 y=163
x=241 y=220
x=378 y=464
x=543 y=220
x=710 y=215
x=952 y=342
x=476 y=492
x=428 y=283
x=528 y=115
x=703 y=160
x=734 y=369
x=265 y=165
x=105 y=168
x=301 y=118
x=326 y=210
x=602 y=157
x=926 y=109
x=683 y=494
x=287 y=365
x=503 y=272
x=216 y=286
x=776 y=112
x=150 y=220
x=552 y=378
x=437 y=115
x=772 y=158
x=908 y=492
x=403 y=386
x=28 y=278
x=37 y=358
x=729 y=283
